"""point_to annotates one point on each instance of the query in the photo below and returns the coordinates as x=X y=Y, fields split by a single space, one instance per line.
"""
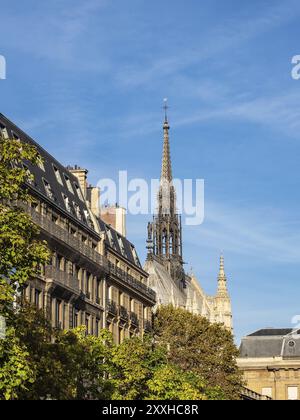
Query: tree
x=68 y=364
x=133 y=364
x=21 y=253
x=17 y=372
x=195 y=345
x=171 y=383
x=140 y=371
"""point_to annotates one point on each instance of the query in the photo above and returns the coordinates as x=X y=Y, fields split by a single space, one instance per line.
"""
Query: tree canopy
x=196 y=345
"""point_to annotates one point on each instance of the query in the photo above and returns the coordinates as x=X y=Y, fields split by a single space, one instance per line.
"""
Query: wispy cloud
x=249 y=232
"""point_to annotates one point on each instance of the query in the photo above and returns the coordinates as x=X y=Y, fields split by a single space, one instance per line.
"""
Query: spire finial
x=166 y=109
x=166 y=172
x=222 y=281
x=222 y=271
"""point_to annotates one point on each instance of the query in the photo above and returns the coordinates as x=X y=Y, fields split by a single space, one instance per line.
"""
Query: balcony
x=123 y=313
x=63 y=235
x=112 y=307
x=148 y=326
x=62 y=278
x=134 y=319
x=122 y=275
x=58 y=325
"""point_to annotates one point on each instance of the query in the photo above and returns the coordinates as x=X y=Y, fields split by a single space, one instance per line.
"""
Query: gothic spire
x=222 y=281
x=166 y=169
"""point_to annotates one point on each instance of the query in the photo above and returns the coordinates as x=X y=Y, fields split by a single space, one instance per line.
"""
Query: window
x=110 y=238
x=41 y=164
x=57 y=175
x=28 y=174
x=88 y=219
x=135 y=256
x=57 y=313
x=15 y=136
x=67 y=202
x=79 y=193
x=3 y=131
x=87 y=323
x=292 y=392
x=76 y=318
x=267 y=392
x=37 y=295
x=77 y=211
x=48 y=189
x=69 y=185
x=121 y=245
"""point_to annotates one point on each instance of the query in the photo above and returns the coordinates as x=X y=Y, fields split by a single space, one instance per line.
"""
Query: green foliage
x=188 y=358
x=134 y=362
x=140 y=371
x=39 y=362
x=21 y=253
x=195 y=345
x=171 y=383
x=16 y=370
x=13 y=175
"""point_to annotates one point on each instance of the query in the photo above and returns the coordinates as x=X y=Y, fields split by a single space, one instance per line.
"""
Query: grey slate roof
x=60 y=189
x=283 y=342
x=119 y=243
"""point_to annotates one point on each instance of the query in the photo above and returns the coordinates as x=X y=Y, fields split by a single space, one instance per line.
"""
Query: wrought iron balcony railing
x=72 y=241
x=134 y=319
x=61 y=277
x=66 y=237
x=112 y=307
x=122 y=275
x=123 y=313
x=147 y=326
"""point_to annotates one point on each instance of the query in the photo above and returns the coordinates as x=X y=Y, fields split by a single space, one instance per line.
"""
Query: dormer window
x=3 y=131
x=48 y=189
x=15 y=136
x=28 y=174
x=135 y=256
x=41 y=164
x=69 y=185
x=110 y=239
x=57 y=175
x=67 y=203
x=79 y=193
x=77 y=211
x=121 y=245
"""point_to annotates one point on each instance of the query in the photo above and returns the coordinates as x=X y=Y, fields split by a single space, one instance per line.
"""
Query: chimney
x=115 y=216
x=81 y=175
x=93 y=196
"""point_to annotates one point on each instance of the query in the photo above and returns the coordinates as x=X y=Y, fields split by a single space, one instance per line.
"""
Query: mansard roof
x=66 y=194
x=64 y=191
x=119 y=243
x=269 y=342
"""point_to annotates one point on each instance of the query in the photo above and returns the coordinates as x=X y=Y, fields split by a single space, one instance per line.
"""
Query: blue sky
x=87 y=79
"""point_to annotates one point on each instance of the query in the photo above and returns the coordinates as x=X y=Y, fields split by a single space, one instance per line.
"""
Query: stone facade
x=165 y=262
x=270 y=361
x=94 y=277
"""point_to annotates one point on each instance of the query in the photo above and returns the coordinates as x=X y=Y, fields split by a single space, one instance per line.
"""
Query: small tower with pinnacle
x=222 y=307
x=165 y=232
